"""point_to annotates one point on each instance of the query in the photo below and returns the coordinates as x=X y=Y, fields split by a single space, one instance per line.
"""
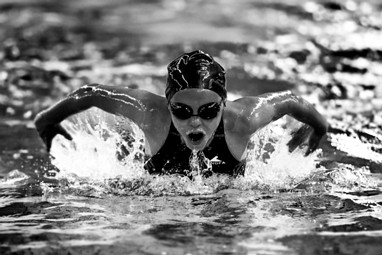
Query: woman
x=194 y=118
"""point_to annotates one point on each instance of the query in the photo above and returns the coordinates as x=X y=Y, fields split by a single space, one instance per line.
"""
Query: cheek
x=212 y=125
x=179 y=125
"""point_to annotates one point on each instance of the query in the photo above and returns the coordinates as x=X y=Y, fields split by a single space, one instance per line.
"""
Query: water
x=92 y=195
x=104 y=205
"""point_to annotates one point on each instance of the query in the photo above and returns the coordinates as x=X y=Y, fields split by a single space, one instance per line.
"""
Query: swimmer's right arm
x=140 y=106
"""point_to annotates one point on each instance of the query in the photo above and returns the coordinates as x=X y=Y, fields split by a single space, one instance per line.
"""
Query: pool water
x=92 y=195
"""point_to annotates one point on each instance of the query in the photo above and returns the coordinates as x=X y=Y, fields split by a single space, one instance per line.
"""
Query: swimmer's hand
x=48 y=131
x=305 y=135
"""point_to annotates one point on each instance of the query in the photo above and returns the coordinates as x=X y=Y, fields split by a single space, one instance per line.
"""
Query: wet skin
x=195 y=131
x=241 y=118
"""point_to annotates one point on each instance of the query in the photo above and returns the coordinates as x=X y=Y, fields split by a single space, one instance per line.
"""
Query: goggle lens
x=183 y=111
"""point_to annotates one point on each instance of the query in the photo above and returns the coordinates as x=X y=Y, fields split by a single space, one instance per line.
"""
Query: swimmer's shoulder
x=243 y=109
x=236 y=128
x=157 y=121
x=236 y=114
x=154 y=119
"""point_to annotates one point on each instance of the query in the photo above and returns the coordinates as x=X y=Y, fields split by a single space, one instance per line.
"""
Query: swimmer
x=194 y=116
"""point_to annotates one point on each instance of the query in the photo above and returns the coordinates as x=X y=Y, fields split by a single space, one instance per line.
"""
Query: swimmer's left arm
x=269 y=107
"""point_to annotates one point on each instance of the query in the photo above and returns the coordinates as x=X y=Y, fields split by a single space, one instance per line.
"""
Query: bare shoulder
x=235 y=117
x=245 y=115
x=148 y=110
x=236 y=128
x=156 y=110
x=157 y=119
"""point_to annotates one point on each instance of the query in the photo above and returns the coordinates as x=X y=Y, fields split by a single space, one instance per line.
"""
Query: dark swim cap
x=195 y=70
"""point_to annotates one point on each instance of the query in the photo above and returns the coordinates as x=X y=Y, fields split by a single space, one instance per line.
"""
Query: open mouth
x=195 y=137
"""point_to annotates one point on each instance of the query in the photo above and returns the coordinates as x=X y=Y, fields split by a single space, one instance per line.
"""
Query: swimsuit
x=174 y=156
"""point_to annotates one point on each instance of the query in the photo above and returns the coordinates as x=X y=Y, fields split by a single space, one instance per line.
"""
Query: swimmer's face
x=196 y=114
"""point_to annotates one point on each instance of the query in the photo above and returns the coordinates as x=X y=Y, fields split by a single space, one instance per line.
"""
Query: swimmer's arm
x=270 y=107
x=142 y=107
x=134 y=104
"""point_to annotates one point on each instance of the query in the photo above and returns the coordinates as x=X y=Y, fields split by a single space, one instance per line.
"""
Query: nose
x=195 y=121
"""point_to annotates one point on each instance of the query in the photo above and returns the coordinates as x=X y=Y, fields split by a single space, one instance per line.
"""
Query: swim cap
x=195 y=70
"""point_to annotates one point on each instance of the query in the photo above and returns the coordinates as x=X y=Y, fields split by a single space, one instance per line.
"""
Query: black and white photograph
x=166 y=127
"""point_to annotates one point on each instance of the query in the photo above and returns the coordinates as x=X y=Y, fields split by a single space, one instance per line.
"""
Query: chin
x=198 y=146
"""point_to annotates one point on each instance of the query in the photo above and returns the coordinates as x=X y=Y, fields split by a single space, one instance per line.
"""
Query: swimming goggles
x=207 y=111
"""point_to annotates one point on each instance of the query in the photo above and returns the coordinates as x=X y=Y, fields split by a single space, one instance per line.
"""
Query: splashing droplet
x=200 y=165
x=270 y=165
x=106 y=156
x=104 y=146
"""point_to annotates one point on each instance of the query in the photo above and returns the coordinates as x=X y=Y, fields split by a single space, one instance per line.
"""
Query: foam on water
x=106 y=156
x=98 y=150
x=270 y=164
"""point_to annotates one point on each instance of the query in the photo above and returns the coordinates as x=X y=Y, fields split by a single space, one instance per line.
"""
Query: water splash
x=346 y=177
x=270 y=165
x=200 y=166
x=106 y=156
x=104 y=146
x=14 y=177
x=353 y=146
